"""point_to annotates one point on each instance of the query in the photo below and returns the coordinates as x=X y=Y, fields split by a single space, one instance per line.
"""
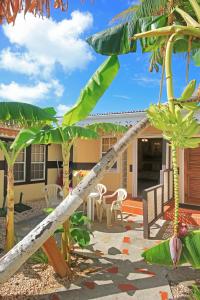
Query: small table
x=92 y=197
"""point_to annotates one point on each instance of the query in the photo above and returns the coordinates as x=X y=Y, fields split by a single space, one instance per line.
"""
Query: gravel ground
x=40 y=279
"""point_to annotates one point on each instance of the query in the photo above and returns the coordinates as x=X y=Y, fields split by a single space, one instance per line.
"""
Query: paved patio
x=120 y=272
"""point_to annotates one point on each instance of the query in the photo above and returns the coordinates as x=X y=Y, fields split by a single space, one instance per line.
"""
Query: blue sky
x=47 y=62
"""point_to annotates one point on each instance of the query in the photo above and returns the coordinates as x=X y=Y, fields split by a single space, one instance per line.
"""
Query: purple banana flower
x=175 y=246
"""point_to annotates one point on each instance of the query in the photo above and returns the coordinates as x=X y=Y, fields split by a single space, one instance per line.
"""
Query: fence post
x=146 y=232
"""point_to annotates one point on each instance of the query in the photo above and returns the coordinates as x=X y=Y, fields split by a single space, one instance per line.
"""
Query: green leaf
x=59 y=135
x=107 y=127
x=160 y=254
x=113 y=41
x=80 y=236
x=48 y=210
x=196 y=58
x=24 y=138
x=23 y=114
x=78 y=219
x=93 y=91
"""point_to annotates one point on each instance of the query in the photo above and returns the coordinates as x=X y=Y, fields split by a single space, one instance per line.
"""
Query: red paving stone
x=127 y=239
x=113 y=270
x=125 y=287
x=89 y=284
x=145 y=271
x=125 y=251
x=163 y=295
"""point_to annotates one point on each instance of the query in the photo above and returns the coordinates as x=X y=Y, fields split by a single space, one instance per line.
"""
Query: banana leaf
x=107 y=127
x=24 y=114
x=113 y=41
x=56 y=135
x=160 y=254
x=196 y=58
x=93 y=91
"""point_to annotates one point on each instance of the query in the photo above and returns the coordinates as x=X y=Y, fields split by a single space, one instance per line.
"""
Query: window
x=20 y=167
x=107 y=143
x=37 y=162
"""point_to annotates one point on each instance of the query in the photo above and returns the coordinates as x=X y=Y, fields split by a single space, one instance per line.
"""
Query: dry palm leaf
x=10 y=8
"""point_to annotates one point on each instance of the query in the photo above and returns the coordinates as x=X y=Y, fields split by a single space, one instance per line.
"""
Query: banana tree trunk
x=65 y=239
x=13 y=260
x=176 y=189
x=10 y=209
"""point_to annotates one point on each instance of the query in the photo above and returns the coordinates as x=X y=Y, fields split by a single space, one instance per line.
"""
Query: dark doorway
x=149 y=163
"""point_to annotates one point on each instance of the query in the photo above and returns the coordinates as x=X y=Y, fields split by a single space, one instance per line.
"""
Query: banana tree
x=66 y=133
x=179 y=130
x=147 y=15
x=20 y=115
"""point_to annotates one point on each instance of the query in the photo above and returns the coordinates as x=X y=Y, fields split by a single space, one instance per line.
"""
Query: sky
x=47 y=62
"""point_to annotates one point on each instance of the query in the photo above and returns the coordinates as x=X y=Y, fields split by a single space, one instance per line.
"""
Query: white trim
x=37 y=162
x=135 y=161
x=181 y=179
x=135 y=167
x=111 y=170
x=24 y=163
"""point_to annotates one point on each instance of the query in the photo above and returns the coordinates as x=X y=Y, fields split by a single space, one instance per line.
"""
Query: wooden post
x=55 y=257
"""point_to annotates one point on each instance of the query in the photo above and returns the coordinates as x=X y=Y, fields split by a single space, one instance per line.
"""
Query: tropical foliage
x=19 y=115
x=163 y=27
x=69 y=130
x=146 y=16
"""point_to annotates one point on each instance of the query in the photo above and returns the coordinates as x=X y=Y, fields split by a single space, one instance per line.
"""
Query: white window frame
x=44 y=164
x=24 y=163
x=115 y=170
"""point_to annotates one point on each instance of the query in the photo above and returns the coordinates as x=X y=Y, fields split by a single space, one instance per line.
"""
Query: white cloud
x=146 y=81
x=62 y=109
x=29 y=93
x=43 y=43
x=133 y=2
x=122 y=97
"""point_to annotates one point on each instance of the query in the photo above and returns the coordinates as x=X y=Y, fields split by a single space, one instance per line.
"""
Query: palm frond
x=9 y=9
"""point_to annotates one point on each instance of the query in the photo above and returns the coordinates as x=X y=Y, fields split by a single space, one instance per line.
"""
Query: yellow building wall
x=86 y=151
x=30 y=191
x=1 y=155
x=52 y=175
x=54 y=153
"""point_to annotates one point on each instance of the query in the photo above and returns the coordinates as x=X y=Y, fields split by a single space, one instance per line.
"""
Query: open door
x=149 y=162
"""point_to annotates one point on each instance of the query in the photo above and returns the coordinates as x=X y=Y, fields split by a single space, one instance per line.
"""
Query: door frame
x=135 y=161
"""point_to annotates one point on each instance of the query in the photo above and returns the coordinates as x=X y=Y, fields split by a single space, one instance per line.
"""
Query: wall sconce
x=144 y=140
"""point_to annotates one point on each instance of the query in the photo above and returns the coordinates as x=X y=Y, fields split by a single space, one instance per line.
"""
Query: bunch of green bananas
x=177 y=127
x=187 y=93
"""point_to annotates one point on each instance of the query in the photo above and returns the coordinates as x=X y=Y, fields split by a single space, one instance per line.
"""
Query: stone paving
x=120 y=272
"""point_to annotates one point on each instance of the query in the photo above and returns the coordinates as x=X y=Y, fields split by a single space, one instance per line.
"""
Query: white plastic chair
x=113 y=203
x=53 y=194
x=102 y=190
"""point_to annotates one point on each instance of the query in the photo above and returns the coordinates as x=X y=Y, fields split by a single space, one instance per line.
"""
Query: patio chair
x=53 y=194
x=102 y=190
x=113 y=204
x=99 y=189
